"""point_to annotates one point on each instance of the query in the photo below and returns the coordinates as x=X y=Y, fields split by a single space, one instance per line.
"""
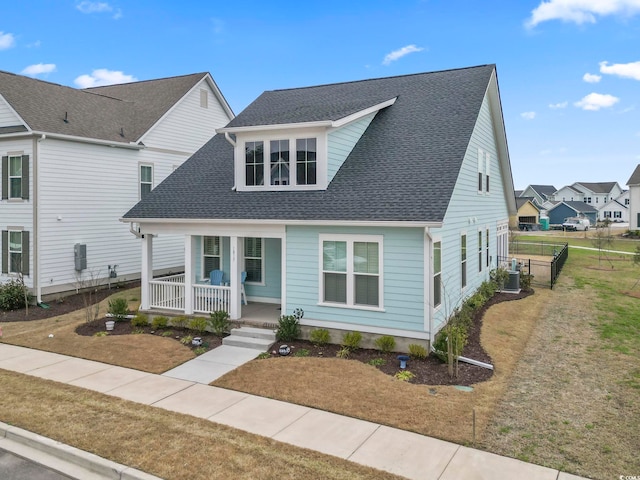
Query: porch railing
x=209 y=298
x=168 y=293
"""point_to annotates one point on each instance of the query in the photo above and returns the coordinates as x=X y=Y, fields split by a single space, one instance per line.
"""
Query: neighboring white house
x=74 y=160
x=634 y=199
x=538 y=193
x=342 y=200
x=616 y=210
x=567 y=193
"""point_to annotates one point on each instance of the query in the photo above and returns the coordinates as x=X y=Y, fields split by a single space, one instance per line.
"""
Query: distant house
x=634 y=199
x=598 y=193
x=562 y=210
x=538 y=193
x=567 y=193
x=614 y=210
x=528 y=213
x=74 y=160
x=344 y=201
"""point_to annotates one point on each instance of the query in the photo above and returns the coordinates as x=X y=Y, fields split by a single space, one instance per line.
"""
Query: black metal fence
x=543 y=272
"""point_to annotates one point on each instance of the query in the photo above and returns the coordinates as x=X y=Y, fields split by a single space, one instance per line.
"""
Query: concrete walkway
x=403 y=453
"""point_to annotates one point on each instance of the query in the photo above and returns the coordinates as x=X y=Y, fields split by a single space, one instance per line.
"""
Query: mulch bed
x=430 y=371
x=62 y=306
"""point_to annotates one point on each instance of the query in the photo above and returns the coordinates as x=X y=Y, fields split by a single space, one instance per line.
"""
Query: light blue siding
x=342 y=141
x=272 y=287
x=469 y=212
x=403 y=277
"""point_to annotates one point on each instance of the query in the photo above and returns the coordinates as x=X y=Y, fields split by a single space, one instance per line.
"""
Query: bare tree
x=602 y=240
x=88 y=287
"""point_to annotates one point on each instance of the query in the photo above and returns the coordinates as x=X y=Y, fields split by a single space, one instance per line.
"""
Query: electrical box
x=80 y=256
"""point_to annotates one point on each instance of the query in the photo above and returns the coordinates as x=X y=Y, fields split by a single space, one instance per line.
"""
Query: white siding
x=188 y=126
x=7 y=117
x=566 y=194
x=84 y=190
x=468 y=213
x=19 y=213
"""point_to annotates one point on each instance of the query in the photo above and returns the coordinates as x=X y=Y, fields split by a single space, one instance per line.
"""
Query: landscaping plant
x=386 y=343
x=199 y=324
x=219 y=323
x=140 y=320
x=351 y=340
x=119 y=308
x=417 y=351
x=159 y=322
x=288 y=328
x=320 y=337
x=13 y=295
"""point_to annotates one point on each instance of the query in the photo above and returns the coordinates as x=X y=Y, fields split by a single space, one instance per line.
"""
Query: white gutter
x=74 y=138
x=262 y=221
x=133 y=230
x=229 y=139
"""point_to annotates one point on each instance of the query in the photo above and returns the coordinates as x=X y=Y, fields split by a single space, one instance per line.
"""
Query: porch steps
x=249 y=337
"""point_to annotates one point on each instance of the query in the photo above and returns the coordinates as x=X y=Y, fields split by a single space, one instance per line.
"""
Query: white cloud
x=557 y=106
x=217 y=25
x=87 y=6
x=7 y=40
x=591 y=78
x=528 y=115
x=581 y=11
x=101 y=77
x=596 y=101
x=396 y=54
x=35 y=44
x=39 y=68
x=625 y=70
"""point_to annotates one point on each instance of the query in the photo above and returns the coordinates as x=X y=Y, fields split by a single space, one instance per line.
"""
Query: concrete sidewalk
x=403 y=453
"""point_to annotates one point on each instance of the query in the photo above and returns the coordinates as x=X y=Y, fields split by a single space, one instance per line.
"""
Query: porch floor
x=260 y=314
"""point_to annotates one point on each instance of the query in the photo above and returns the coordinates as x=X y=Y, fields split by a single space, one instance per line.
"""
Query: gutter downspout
x=233 y=144
x=134 y=231
x=428 y=235
x=36 y=218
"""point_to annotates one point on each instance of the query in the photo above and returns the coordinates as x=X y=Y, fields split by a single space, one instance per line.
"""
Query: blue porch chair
x=215 y=277
x=243 y=294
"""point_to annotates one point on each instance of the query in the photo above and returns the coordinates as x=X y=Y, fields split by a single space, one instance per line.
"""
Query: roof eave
x=253 y=221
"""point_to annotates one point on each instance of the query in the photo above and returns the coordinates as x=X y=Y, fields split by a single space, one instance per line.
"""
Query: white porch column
x=146 y=271
x=236 y=265
x=189 y=272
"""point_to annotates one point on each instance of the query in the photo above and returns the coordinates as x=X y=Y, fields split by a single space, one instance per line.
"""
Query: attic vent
x=204 y=98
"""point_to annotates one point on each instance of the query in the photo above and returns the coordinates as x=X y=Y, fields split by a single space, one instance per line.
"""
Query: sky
x=568 y=70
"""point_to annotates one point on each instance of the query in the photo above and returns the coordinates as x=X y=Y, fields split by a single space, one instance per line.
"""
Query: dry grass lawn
x=169 y=445
x=148 y=353
x=358 y=390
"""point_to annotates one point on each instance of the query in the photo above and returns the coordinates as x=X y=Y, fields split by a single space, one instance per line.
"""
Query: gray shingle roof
x=544 y=190
x=635 y=177
x=404 y=167
x=520 y=201
x=598 y=187
x=101 y=113
x=580 y=206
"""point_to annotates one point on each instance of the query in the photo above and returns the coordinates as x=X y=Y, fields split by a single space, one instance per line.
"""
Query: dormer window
x=254 y=155
x=306 y=161
x=280 y=162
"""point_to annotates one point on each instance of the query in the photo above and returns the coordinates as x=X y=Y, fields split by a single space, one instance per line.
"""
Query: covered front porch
x=258 y=252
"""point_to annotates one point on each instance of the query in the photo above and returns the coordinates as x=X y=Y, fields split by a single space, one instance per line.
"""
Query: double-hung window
x=253 y=259
x=15 y=251
x=254 y=163
x=437 y=274
x=306 y=161
x=279 y=162
x=211 y=255
x=484 y=171
x=486 y=246
x=15 y=177
x=351 y=271
x=480 y=251
x=463 y=260
x=146 y=180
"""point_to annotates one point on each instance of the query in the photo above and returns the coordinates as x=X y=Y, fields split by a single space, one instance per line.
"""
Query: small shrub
x=180 y=321
x=351 y=340
x=476 y=301
x=404 y=375
x=417 y=351
x=499 y=276
x=119 y=308
x=199 y=324
x=377 y=362
x=344 y=352
x=137 y=331
x=386 y=344
x=303 y=352
x=167 y=333
x=320 y=337
x=288 y=328
x=13 y=295
x=219 y=322
x=263 y=355
x=457 y=334
x=525 y=281
x=488 y=289
x=101 y=334
x=140 y=320
x=200 y=350
x=159 y=322
x=186 y=340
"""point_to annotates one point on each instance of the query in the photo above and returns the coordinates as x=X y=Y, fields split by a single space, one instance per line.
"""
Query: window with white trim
x=480 y=170
x=437 y=274
x=480 y=251
x=463 y=261
x=351 y=271
x=486 y=245
x=15 y=252
x=211 y=255
x=281 y=172
x=617 y=214
x=146 y=180
x=607 y=214
x=487 y=171
x=484 y=171
x=253 y=259
x=15 y=176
